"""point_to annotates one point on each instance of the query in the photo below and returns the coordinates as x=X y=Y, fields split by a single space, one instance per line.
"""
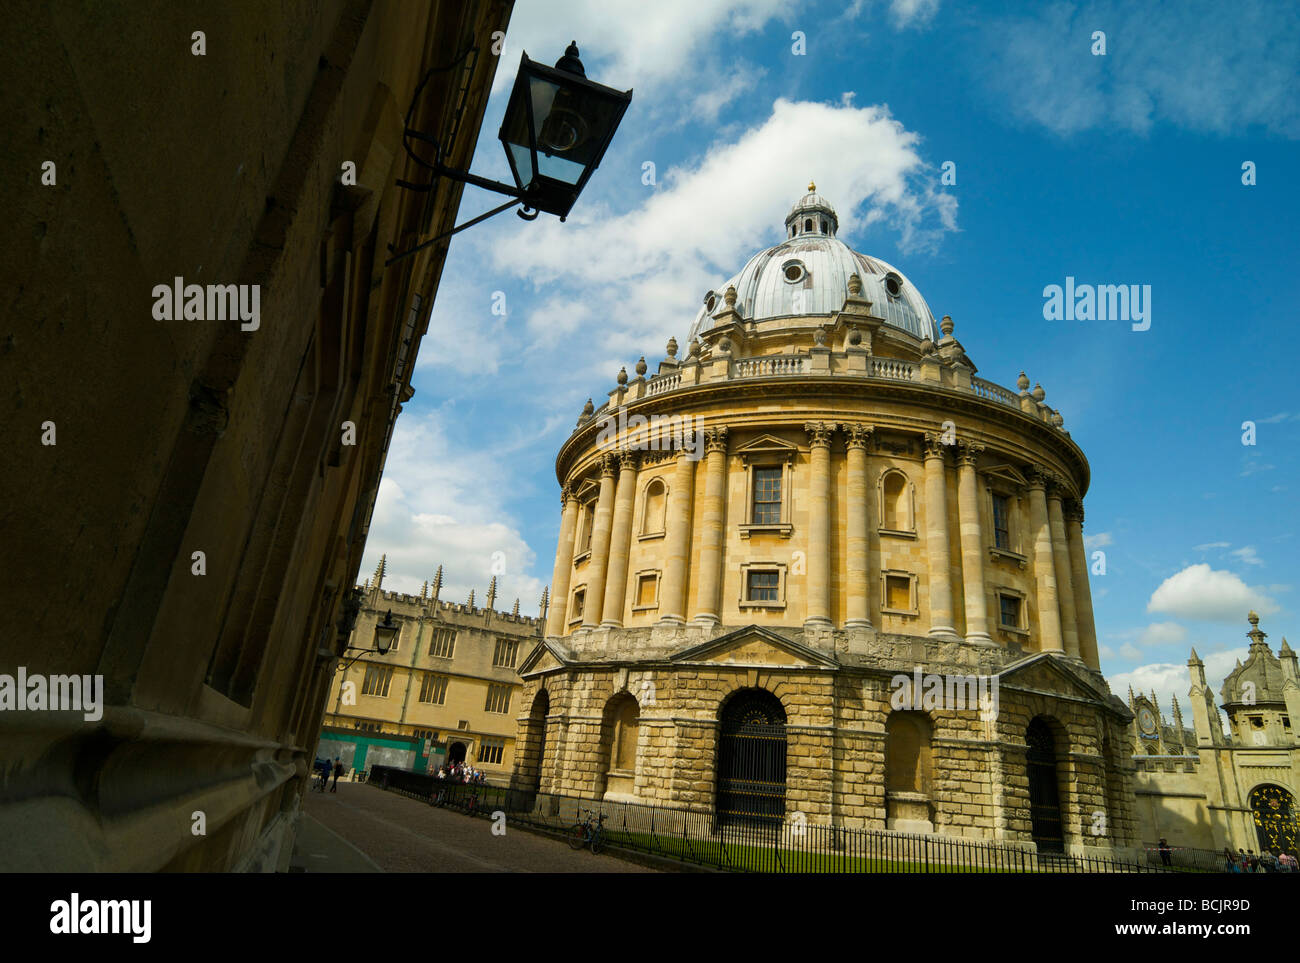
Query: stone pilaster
x=1084 y=619
x=858 y=575
x=672 y=598
x=620 y=541
x=712 y=512
x=1061 y=559
x=937 y=547
x=598 y=564
x=563 y=570
x=818 y=567
x=1049 y=615
x=973 y=550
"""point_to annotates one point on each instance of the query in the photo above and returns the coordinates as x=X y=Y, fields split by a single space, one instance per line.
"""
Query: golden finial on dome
x=812 y=188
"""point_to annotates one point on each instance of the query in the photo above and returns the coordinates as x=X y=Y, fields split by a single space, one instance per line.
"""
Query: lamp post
x=386 y=633
x=557 y=127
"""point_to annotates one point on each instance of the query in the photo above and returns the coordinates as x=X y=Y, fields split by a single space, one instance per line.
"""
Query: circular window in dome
x=710 y=302
x=793 y=271
x=894 y=285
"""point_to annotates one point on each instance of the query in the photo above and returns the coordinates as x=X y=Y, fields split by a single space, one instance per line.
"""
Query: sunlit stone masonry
x=762 y=538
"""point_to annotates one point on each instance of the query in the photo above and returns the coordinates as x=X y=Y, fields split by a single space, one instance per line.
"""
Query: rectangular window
x=443 y=643
x=1002 y=522
x=646 y=588
x=898 y=593
x=498 y=699
x=1009 y=611
x=490 y=751
x=767 y=496
x=764 y=586
x=434 y=689
x=376 y=681
x=588 y=523
x=579 y=597
x=363 y=726
x=503 y=657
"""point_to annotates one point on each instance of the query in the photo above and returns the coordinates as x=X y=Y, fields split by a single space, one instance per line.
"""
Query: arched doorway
x=537 y=726
x=456 y=752
x=1277 y=824
x=1044 y=787
x=751 y=759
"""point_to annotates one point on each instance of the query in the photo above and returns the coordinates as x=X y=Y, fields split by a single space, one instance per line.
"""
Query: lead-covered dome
x=808 y=275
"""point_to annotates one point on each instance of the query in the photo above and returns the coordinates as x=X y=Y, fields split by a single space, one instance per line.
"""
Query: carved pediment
x=1009 y=476
x=754 y=646
x=768 y=448
x=543 y=658
x=1045 y=673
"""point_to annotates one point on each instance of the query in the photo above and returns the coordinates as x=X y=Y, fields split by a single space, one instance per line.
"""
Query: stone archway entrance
x=456 y=752
x=751 y=759
x=1044 y=788
x=1277 y=824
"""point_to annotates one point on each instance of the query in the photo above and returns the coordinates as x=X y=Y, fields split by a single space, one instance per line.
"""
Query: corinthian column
x=972 y=548
x=857 y=612
x=711 y=525
x=1082 y=591
x=677 y=542
x=818 y=568
x=1061 y=561
x=1049 y=616
x=937 y=549
x=558 y=611
x=598 y=565
x=620 y=540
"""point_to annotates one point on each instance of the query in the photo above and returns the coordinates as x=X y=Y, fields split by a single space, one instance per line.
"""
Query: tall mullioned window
x=443 y=643
x=434 y=689
x=1002 y=522
x=767 y=496
x=377 y=680
x=498 y=699
x=490 y=751
x=507 y=650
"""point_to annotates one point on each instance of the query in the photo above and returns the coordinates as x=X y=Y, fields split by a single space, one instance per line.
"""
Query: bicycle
x=585 y=833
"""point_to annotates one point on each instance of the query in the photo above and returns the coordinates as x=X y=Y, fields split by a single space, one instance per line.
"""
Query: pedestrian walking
x=1166 y=855
x=338 y=771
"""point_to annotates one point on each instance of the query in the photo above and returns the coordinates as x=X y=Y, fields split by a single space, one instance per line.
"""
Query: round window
x=793 y=271
x=894 y=285
x=709 y=302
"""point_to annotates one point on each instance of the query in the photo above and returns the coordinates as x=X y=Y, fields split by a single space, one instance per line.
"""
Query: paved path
x=362 y=828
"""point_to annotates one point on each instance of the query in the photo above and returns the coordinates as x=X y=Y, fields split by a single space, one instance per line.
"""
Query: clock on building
x=1146 y=721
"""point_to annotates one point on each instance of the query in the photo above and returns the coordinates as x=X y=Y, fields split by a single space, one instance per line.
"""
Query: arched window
x=619 y=729
x=826 y=226
x=896 y=502
x=908 y=736
x=588 y=521
x=654 y=506
x=751 y=759
x=807 y=224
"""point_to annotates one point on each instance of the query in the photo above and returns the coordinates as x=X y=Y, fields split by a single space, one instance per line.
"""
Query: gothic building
x=1209 y=789
x=772 y=548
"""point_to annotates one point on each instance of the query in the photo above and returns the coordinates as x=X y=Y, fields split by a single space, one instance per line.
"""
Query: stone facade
x=1210 y=789
x=812 y=504
x=196 y=515
x=449 y=684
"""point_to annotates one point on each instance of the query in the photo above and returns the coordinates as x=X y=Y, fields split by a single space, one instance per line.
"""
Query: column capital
x=934 y=445
x=715 y=439
x=1056 y=487
x=819 y=433
x=1037 y=478
x=607 y=463
x=628 y=459
x=566 y=493
x=1074 y=511
x=969 y=453
x=859 y=436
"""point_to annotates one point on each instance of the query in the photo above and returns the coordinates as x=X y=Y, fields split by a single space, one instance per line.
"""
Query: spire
x=1130 y=695
x=380 y=571
x=424 y=592
x=437 y=584
x=546 y=600
x=492 y=593
x=471 y=599
x=515 y=610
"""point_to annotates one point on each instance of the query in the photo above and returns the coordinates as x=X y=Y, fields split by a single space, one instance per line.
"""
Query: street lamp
x=557 y=127
x=386 y=633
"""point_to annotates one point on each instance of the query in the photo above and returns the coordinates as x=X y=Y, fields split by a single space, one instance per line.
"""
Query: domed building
x=818 y=570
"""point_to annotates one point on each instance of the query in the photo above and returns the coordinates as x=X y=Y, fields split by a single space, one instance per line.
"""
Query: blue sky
x=1117 y=169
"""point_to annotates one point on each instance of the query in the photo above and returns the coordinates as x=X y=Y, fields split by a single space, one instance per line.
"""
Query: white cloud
x=1247 y=555
x=1210 y=545
x=1100 y=540
x=1200 y=592
x=908 y=13
x=1162 y=633
x=1183 y=64
x=1170 y=679
x=708 y=103
x=449 y=509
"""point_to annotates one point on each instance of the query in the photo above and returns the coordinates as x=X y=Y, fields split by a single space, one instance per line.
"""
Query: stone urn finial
x=730 y=296
x=641 y=366
x=1023 y=382
x=694 y=350
x=1253 y=618
x=946 y=326
x=1057 y=419
x=1038 y=393
x=588 y=409
x=927 y=347
x=622 y=376
x=855 y=286
x=819 y=336
x=672 y=347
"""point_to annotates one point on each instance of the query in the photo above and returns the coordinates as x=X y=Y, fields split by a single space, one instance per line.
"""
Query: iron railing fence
x=1188 y=859
x=793 y=846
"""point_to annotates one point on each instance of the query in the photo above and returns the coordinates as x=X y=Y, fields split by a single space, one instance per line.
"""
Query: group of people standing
x=459 y=772
x=1245 y=861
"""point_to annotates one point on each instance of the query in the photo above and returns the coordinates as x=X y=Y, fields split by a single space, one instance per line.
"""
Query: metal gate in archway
x=1277 y=824
x=1044 y=789
x=751 y=760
